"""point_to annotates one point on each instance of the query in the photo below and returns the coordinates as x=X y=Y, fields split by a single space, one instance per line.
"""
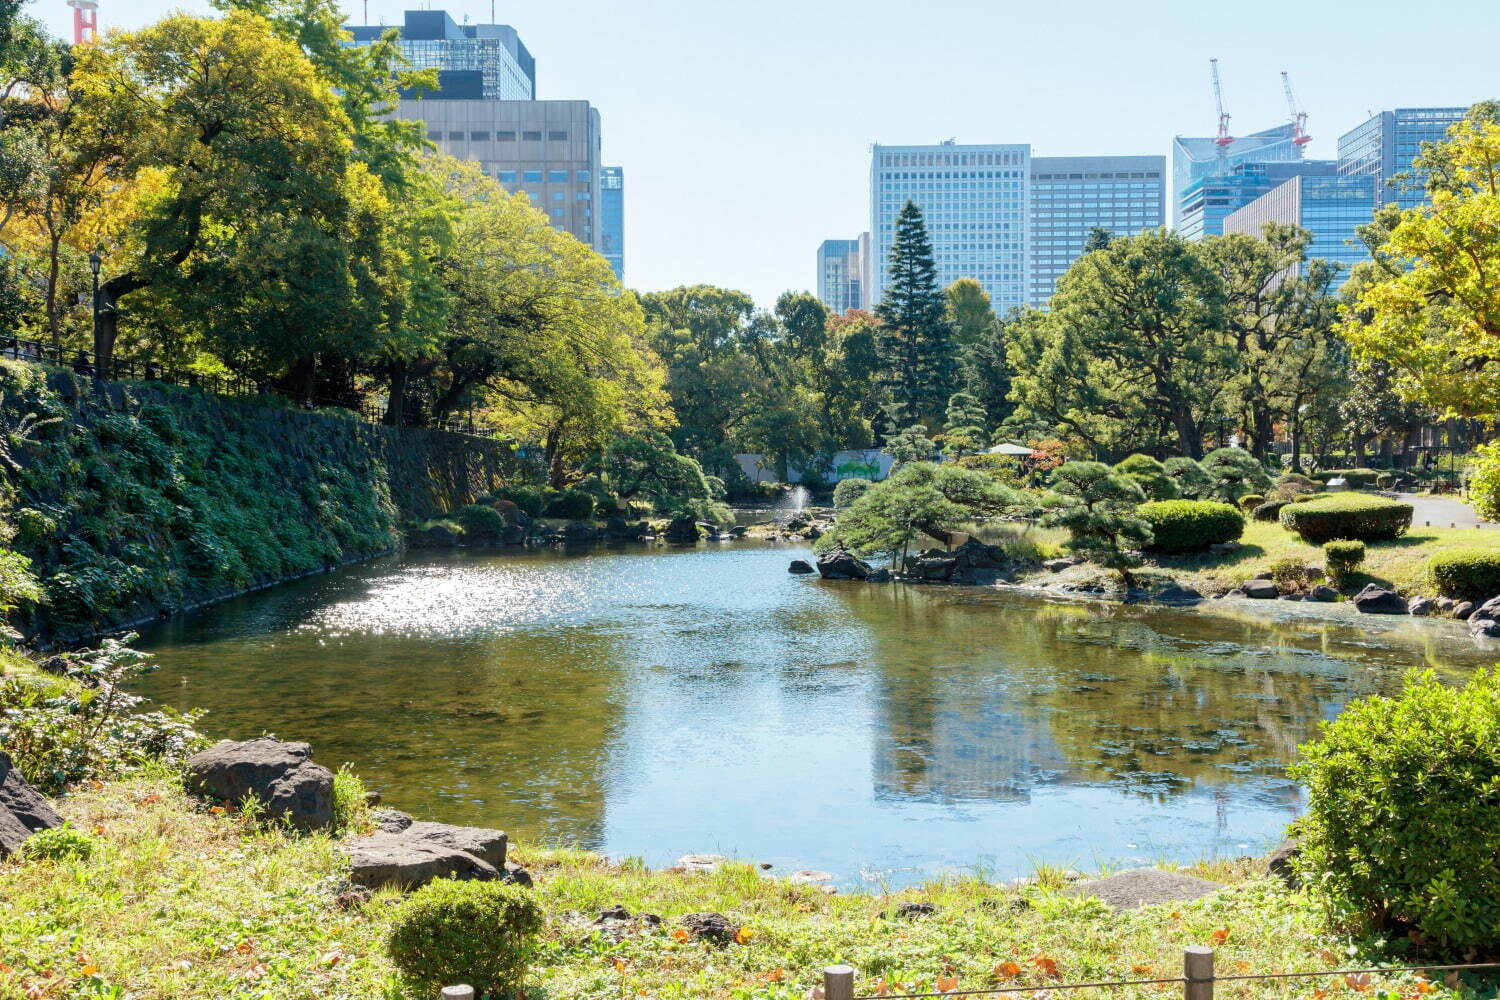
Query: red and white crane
x=85 y=20
x=1224 y=138
x=1299 y=117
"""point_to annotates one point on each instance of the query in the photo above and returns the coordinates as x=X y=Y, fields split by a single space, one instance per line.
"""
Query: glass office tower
x=1330 y=208
x=612 y=218
x=1384 y=146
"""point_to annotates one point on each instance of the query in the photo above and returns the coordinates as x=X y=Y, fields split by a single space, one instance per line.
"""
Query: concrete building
x=977 y=204
x=612 y=218
x=839 y=275
x=1385 y=145
x=474 y=61
x=1210 y=200
x=1071 y=195
x=550 y=150
x=1198 y=159
x=1328 y=207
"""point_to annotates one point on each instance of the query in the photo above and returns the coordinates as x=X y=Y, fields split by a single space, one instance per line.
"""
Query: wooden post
x=458 y=993
x=838 y=982
x=1198 y=970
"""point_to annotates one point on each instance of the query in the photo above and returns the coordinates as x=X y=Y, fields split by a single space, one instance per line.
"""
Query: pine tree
x=964 y=433
x=916 y=342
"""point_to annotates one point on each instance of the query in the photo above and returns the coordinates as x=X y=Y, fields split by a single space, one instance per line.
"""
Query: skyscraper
x=474 y=61
x=1198 y=209
x=976 y=203
x=1385 y=145
x=1209 y=200
x=1071 y=195
x=1328 y=207
x=839 y=269
x=612 y=218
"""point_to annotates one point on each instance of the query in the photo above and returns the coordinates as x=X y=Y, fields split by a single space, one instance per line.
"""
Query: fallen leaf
x=216 y=810
x=96 y=785
x=332 y=958
x=1047 y=964
x=88 y=970
x=1176 y=914
x=1143 y=970
x=150 y=800
x=882 y=988
x=1319 y=993
x=743 y=935
x=5 y=968
x=1242 y=967
x=245 y=947
x=256 y=971
x=621 y=965
x=1006 y=970
x=1358 y=981
x=1328 y=955
x=680 y=935
x=1219 y=936
x=947 y=984
x=774 y=976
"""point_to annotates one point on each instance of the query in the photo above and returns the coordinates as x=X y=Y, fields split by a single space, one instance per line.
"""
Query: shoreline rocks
x=1376 y=600
x=280 y=776
x=409 y=853
x=23 y=811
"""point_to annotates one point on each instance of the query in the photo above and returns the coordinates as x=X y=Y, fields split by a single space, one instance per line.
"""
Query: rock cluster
x=973 y=562
x=842 y=565
x=1144 y=887
x=282 y=777
x=23 y=811
x=407 y=854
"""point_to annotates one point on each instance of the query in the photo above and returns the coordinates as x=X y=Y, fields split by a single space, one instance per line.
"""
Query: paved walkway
x=1441 y=511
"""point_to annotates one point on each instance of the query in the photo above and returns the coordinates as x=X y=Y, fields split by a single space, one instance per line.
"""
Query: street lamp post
x=95 y=262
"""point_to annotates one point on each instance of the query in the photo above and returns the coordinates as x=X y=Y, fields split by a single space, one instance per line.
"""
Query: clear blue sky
x=744 y=129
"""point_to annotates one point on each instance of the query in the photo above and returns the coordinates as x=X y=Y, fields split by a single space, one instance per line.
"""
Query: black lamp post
x=95 y=262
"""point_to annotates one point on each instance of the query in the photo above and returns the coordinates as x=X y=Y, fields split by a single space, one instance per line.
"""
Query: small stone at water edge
x=700 y=862
x=809 y=875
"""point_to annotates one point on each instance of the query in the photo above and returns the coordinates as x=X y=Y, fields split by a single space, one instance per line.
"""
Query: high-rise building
x=1384 y=146
x=976 y=202
x=612 y=218
x=1072 y=195
x=474 y=61
x=1209 y=200
x=1198 y=159
x=486 y=111
x=1328 y=207
x=839 y=270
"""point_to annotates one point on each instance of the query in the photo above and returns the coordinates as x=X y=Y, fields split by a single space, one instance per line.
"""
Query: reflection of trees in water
x=988 y=697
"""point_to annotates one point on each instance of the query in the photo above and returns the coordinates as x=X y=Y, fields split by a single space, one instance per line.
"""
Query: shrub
x=524 y=497
x=1402 y=827
x=574 y=505
x=1151 y=476
x=1181 y=526
x=479 y=522
x=1385 y=481
x=1356 y=479
x=1340 y=559
x=1291 y=485
x=1004 y=469
x=1233 y=472
x=1189 y=476
x=1469 y=574
x=849 y=490
x=479 y=933
x=1099 y=508
x=1484 y=482
x=1290 y=573
x=1250 y=501
x=1366 y=518
x=62 y=844
x=1269 y=511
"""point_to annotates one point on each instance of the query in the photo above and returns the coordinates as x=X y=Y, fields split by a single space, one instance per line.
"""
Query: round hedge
x=1348 y=515
x=481 y=522
x=1468 y=574
x=450 y=932
x=1250 y=501
x=1182 y=526
x=524 y=497
x=850 y=490
x=573 y=505
x=1355 y=479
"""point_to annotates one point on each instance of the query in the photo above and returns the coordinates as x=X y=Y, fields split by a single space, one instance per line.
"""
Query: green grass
x=175 y=902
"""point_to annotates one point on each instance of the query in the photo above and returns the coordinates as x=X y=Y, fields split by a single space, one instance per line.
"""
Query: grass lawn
x=178 y=902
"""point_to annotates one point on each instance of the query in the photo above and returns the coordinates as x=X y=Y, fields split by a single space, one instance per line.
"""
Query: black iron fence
x=84 y=363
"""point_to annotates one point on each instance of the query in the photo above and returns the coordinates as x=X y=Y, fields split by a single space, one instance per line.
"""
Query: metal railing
x=83 y=363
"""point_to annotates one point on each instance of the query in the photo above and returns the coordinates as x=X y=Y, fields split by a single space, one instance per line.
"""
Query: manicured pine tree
x=916 y=340
x=964 y=433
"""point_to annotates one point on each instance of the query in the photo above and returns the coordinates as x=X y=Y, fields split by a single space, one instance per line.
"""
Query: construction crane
x=1224 y=138
x=1299 y=117
x=85 y=20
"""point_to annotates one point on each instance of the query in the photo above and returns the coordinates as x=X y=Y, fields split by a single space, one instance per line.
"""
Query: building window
x=584 y=176
x=533 y=176
x=531 y=136
x=557 y=213
x=557 y=176
x=479 y=137
x=505 y=137
x=584 y=196
x=508 y=176
x=557 y=136
x=557 y=196
x=455 y=137
x=435 y=136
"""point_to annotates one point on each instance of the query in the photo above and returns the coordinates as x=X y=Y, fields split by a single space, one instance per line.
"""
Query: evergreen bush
x=1402 y=823
x=1340 y=559
x=1233 y=472
x=448 y=932
x=524 y=497
x=1290 y=574
x=1183 y=526
x=1250 y=501
x=1466 y=574
x=1269 y=511
x=849 y=490
x=481 y=523
x=1349 y=515
x=1151 y=476
x=1484 y=481
x=574 y=505
x=1189 y=476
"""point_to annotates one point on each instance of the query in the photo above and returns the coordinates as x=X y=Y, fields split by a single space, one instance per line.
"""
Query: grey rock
x=1291 y=597
x=1445 y=605
x=615 y=912
x=1058 y=565
x=881 y=575
x=438 y=537
x=1236 y=592
x=1462 y=610
x=842 y=565
x=512 y=534
x=391 y=820
x=910 y=910
x=712 y=927
x=801 y=567
x=516 y=875
x=395 y=859
x=1323 y=593
x=1263 y=575
x=1375 y=600
x=1177 y=594
x=281 y=776
x=1484 y=623
x=1421 y=606
x=936 y=569
x=1144 y=887
x=700 y=862
x=485 y=844
x=23 y=811
x=1281 y=863
x=1260 y=590
x=683 y=529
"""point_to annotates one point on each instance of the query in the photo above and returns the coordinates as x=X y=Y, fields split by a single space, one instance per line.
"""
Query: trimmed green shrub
x=1189 y=476
x=479 y=933
x=524 y=497
x=1269 y=511
x=1356 y=479
x=1484 y=481
x=1385 y=481
x=1350 y=515
x=1469 y=574
x=574 y=505
x=1181 y=526
x=1340 y=559
x=1290 y=573
x=850 y=490
x=1151 y=476
x=1291 y=485
x=1233 y=472
x=1250 y=501
x=480 y=522
x=1402 y=826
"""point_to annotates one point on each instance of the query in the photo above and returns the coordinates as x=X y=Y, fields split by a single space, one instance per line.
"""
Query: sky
x=745 y=129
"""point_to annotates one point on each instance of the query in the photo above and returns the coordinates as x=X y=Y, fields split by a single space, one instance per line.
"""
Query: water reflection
x=657 y=702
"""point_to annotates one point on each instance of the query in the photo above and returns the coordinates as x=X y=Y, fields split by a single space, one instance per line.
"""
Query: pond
x=654 y=702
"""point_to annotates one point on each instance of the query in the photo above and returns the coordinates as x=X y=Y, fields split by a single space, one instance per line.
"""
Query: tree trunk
x=106 y=331
x=302 y=379
x=1188 y=438
x=1296 y=442
x=554 y=453
x=395 y=411
x=1263 y=433
x=1359 y=450
x=54 y=321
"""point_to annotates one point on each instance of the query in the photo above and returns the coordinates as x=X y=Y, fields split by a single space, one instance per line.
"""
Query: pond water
x=655 y=702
